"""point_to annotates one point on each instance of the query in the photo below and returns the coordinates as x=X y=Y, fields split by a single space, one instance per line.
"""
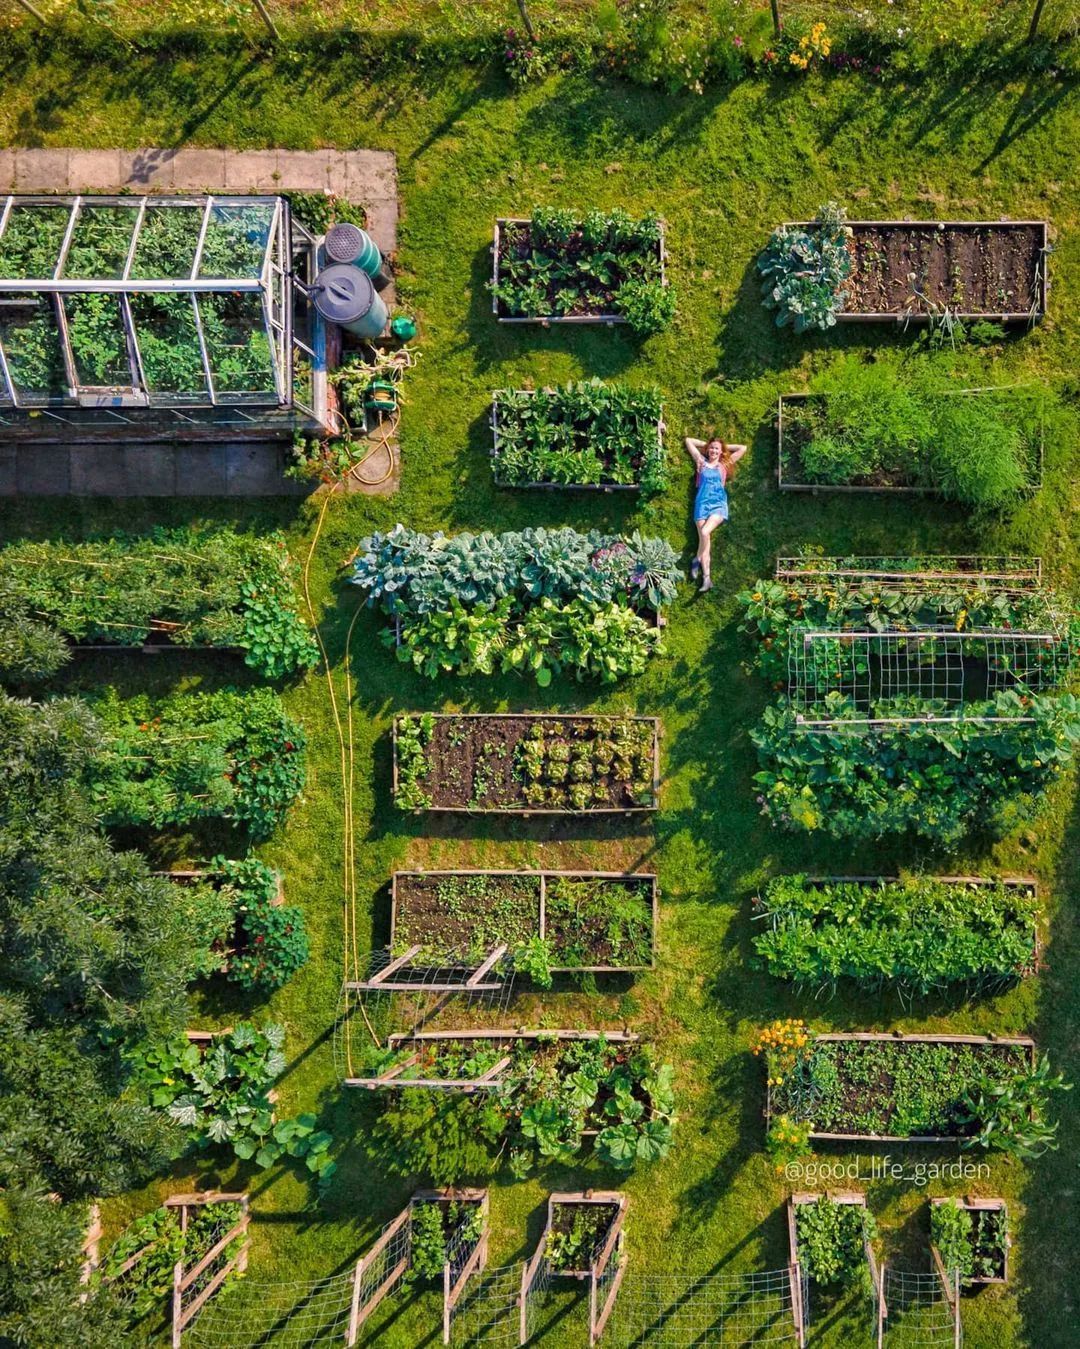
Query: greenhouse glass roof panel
x=166 y=242
x=99 y=244
x=31 y=349
x=237 y=240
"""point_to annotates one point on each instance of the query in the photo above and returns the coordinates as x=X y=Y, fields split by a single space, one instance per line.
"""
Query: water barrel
x=346 y=296
x=349 y=243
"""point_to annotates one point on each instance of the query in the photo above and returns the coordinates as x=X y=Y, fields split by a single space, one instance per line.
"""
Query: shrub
x=230 y=755
x=805 y=270
x=201 y=587
x=42 y=1298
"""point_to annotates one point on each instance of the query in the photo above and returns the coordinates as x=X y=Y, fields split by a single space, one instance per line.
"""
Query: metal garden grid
x=91 y=336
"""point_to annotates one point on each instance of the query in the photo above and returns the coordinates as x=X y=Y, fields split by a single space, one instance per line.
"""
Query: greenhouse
x=142 y=314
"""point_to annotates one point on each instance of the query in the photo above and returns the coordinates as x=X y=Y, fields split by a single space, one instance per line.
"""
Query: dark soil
x=473 y=763
x=918 y=268
x=461 y=916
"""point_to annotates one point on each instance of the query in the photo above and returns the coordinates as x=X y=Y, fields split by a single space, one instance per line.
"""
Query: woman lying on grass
x=715 y=461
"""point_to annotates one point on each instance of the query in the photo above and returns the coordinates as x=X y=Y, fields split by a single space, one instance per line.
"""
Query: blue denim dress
x=711 y=498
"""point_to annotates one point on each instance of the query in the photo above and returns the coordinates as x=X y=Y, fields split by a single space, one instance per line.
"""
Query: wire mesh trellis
x=718 y=1309
x=388 y=998
x=291 y=1315
x=1006 y=573
x=278 y=1315
x=490 y=1311
x=535 y=1286
x=606 y=1284
x=213 y=1248
x=938 y=666
x=651 y=1309
x=919 y=1312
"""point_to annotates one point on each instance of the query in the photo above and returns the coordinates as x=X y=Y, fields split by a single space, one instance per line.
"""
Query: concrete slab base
x=367 y=177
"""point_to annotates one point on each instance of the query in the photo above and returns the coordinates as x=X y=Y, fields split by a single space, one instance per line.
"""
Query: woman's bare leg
x=701 y=543
x=706 y=531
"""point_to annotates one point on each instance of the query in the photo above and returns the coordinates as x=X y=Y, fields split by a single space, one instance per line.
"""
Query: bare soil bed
x=991 y=269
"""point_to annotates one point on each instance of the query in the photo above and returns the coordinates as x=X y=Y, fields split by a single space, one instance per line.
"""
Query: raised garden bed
x=836 y=1231
x=441 y=1235
x=933 y=571
x=537 y=275
x=589 y=436
x=239 y=925
x=525 y=763
x=582 y=1239
x=553 y=1089
x=919 y=932
x=173 y=590
x=594 y=921
x=970 y=1236
x=863 y=1086
x=179 y=1255
x=971 y=269
x=230 y=755
x=801 y=417
x=580 y=1231
x=537 y=602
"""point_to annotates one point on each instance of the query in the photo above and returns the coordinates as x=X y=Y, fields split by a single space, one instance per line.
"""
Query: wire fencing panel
x=489 y=1312
x=920 y=1314
x=720 y=1309
x=275 y=1315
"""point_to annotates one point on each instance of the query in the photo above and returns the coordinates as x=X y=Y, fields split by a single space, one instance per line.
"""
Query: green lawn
x=722 y=169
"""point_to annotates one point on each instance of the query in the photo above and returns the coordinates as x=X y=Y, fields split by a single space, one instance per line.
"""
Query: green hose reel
x=381 y=397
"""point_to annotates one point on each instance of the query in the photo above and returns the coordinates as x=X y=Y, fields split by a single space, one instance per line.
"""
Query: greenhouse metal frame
x=93 y=339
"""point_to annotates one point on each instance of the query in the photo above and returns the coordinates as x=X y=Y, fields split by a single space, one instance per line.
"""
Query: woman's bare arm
x=694 y=448
x=736 y=452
